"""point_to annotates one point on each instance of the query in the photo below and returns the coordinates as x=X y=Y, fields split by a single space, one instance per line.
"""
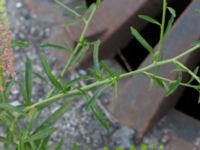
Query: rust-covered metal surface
x=48 y=11
x=182 y=131
x=140 y=108
x=111 y=23
x=136 y=106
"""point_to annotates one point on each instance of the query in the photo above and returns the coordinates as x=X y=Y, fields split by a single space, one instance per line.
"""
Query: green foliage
x=142 y=41
x=149 y=19
x=175 y=85
x=171 y=20
x=34 y=135
x=55 y=82
x=55 y=46
x=28 y=80
x=197 y=11
x=99 y=116
x=20 y=44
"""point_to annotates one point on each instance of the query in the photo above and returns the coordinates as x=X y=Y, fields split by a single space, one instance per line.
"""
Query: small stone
x=197 y=142
x=18 y=5
x=124 y=137
x=15 y=103
x=146 y=140
x=165 y=139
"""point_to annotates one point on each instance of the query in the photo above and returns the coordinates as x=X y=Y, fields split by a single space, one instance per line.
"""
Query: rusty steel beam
x=140 y=108
x=48 y=12
x=112 y=22
x=182 y=131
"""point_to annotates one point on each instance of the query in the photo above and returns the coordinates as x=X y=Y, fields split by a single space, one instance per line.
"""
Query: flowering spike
x=7 y=70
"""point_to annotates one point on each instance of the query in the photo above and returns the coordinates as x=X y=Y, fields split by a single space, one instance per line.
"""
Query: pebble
x=123 y=137
x=18 y=5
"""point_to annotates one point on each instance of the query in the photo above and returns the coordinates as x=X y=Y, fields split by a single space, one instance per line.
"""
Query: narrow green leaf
x=195 y=43
x=24 y=93
x=20 y=44
x=39 y=76
x=70 y=10
x=93 y=99
x=152 y=147
x=8 y=87
x=195 y=72
x=171 y=20
x=161 y=147
x=81 y=54
x=9 y=107
x=99 y=116
x=175 y=85
x=132 y=147
x=197 y=11
x=49 y=74
x=33 y=146
x=5 y=119
x=32 y=115
x=5 y=141
x=144 y=147
x=55 y=46
x=43 y=143
x=169 y=25
x=78 y=79
x=98 y=2
x=71 y=23
x=172 y=11
x=107 y=68
x=96 y=56
x=116 y=88
x=119 y=148
x=60 y=144
x=199 y=98
x=75 y=147
x=151 y=84
x=41 y=134
x=105 y=148
x=142 y=41
x=160 y=82
x=28 y=80
x=89 y=10
x=149 y=19
x=98 y=76
x=51 y=120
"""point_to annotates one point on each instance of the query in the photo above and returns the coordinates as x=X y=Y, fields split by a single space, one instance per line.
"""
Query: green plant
x=33 y=136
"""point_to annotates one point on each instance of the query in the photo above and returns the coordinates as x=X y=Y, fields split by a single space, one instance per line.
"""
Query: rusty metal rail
x=136 y=106
x=182 y=131
x=140 y=108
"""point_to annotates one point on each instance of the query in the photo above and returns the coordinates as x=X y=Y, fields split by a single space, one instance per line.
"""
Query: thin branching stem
x=55 y=98
x=162 y=29
x=188 y=71
x=169 y=80
x=77 y=47
x=87 y=24
x=68 y=9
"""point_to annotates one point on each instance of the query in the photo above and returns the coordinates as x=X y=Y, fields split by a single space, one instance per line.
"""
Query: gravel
x=77 y=125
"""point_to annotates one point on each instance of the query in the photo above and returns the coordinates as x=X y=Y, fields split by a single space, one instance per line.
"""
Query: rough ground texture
x=78 y=125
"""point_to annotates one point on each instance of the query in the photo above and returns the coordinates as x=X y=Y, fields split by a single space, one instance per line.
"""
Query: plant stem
x=50 y=100
x=87 y=24
x=70 y=60
x=68 y=9
x=169 y=80
x=162 y=28
x=188 y=71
